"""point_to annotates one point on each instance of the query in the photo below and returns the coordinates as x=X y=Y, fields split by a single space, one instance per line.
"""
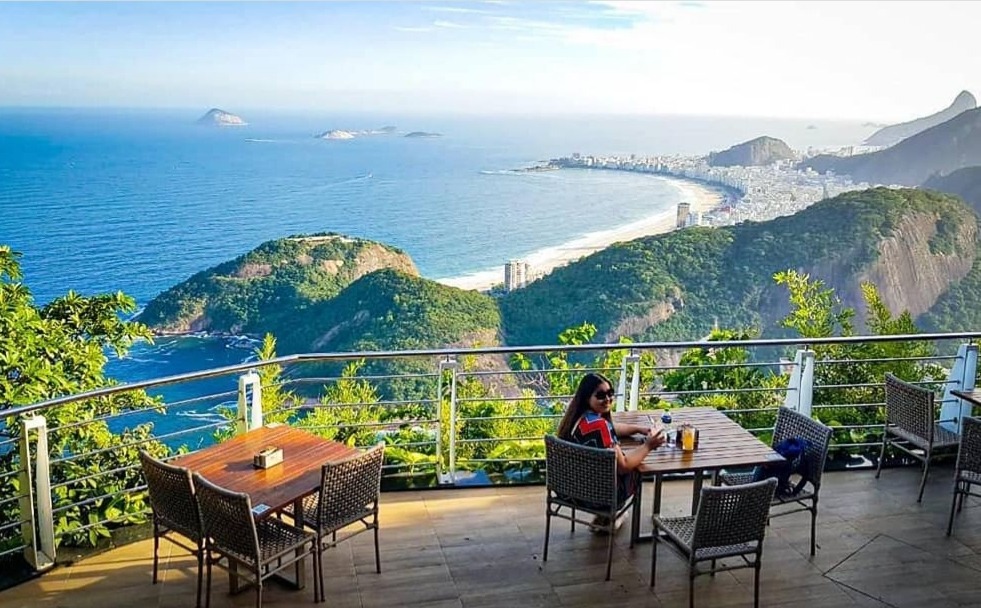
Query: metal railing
x=447 y=422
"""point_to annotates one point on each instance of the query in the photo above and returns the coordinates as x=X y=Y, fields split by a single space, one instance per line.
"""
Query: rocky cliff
x=755 y=152
x=893 y=134
x=221 y=118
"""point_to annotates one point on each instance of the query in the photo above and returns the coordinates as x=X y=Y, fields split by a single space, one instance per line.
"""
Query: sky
x=883 y=61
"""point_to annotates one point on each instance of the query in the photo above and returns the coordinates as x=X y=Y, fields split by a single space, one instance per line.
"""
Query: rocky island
x=351 y=134
x=423 y=134
x=220 y=118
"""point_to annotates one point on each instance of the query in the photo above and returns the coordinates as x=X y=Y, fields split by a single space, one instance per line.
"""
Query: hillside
x=912 y=244
x=893 y=134
x=266 y=287
x=755 y=152
x=965 y=183
x=939 y=150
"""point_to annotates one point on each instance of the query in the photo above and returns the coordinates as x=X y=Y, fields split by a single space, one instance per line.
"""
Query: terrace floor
x=482 y=547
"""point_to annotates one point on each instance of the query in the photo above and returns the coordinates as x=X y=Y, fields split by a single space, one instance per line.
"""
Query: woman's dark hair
x=580 y=403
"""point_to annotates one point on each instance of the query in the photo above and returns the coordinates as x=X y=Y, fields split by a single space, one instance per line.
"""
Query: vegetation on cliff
x=672 y=286
x=965 y=183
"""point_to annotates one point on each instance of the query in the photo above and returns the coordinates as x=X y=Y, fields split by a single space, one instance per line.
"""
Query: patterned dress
x=595 y=431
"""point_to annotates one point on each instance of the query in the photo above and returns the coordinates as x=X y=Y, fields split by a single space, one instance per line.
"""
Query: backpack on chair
x=794 y=452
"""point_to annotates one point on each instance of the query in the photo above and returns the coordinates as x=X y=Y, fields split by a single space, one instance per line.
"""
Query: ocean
x=100 y=200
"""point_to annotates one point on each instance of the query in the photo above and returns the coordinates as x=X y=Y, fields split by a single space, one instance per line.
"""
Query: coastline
x=702 y=197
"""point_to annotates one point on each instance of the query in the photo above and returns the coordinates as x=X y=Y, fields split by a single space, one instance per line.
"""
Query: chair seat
x=682 y=530
x=275 y=538
x=309 y=516
x=942 y=438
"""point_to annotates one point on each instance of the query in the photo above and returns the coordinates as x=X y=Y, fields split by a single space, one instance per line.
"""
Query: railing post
x=249 y=402
x=444 y=477
x=800 y=388
x=961 y=377
x=35 y=505
x=634 y=359
x=620 y=405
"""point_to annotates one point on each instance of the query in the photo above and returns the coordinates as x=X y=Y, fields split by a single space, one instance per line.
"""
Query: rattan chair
x=911 y=417
x=175 y=511
x=348 y=496
x=792 y=424
x=253 y=550
x=730 y=522
x=968 y=469
x=582 y=478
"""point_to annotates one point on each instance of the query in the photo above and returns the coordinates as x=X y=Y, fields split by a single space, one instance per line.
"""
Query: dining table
x=722 y=444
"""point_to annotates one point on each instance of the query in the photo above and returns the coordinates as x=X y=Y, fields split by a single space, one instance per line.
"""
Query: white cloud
x=448 y=24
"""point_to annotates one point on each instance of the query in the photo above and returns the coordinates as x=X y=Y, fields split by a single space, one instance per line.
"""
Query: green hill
x=755 y=152
x=965 y=183
x=265 y=288
x=912 y=244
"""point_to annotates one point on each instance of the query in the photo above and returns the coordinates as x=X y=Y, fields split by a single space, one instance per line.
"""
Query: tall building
x=683 y=209
x=515 y=275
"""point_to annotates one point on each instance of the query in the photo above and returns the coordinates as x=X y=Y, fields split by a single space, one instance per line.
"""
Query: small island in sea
x=220 y=118
x=423 y=134
x=351 y=134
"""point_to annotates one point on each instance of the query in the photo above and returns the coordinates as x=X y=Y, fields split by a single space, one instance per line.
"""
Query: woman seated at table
x=587 y=421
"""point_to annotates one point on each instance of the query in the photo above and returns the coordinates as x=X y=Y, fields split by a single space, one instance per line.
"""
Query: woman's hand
x=655 y=438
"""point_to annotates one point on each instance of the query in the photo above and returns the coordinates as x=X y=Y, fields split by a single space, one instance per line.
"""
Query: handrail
x=495 y=350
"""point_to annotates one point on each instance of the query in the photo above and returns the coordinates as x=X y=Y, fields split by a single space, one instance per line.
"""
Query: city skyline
x=858 y=60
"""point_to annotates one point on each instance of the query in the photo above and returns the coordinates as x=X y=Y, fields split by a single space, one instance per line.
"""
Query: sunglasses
x=604 y=395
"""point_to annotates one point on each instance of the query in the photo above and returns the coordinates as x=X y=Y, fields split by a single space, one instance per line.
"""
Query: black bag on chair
x=794 y=451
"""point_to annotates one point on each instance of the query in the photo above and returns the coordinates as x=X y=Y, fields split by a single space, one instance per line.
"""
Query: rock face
x=893 y=134
x=221 y=118
x=755 y=152
x=940 y=150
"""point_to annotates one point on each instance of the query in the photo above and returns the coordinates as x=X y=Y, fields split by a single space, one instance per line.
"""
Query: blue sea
x=101 y=200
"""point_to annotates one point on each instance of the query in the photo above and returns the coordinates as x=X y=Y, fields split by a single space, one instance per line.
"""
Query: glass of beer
x=688 y=438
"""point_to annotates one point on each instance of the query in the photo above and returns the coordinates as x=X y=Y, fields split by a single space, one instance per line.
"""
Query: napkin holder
x=268 y=457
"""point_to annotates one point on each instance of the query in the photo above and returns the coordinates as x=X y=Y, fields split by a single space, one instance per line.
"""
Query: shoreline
x=702 y=197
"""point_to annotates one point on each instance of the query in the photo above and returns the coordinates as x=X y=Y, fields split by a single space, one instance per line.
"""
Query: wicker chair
x=348 y=495
x=254 y=550
x=968 y=469
x=911 y=417
x=730 y=522
x=818 y=436
x=582 y=478
x=176 y=516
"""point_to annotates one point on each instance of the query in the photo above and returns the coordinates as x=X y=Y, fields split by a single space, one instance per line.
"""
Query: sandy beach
x=541 y=262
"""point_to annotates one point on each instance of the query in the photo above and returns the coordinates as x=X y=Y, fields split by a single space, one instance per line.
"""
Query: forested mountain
x=755 y=152
x=912 y=244
x=267 y=286
x=893 y=134
x=939 y=150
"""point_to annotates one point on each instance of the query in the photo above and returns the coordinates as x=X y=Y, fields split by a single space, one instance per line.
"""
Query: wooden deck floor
x=482 y=547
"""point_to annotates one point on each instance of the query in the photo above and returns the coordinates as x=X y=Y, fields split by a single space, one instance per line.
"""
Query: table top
x=721 y=442
x=229 y=464
x=973 y=395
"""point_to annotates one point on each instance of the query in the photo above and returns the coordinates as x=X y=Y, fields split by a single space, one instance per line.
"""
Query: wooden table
x=972 y=396
x=229 y=465
x=721 y=444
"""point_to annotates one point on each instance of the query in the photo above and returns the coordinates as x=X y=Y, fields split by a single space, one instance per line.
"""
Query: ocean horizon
x=102 y=200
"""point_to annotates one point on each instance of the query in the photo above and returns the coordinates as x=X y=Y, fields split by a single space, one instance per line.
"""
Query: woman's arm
x=636 y=456
x=624 y=429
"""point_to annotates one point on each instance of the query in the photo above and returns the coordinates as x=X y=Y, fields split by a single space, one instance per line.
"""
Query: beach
x=701 y=198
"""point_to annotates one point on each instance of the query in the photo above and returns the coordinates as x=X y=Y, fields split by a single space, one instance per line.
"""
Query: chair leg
x=258 y=595
x=965 y=488
x=882 y=453
x=548 y=526
x=320 y=566
x=609 y=550
x=953 y=504
x=156 y=549
x=654 y=541
x=378 y=564
x=756 y=583
x=200 y=557
x=712 y=571
x=573 y=522
x=926 y=471
x=207 y=597
x=814 y=516
x=691 y=589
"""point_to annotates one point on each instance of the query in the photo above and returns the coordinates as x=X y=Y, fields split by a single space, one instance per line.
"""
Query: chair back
x=583 y=474
x=910 y=407
x=349 y=488
x=228 y=520
x=969 y=454
x=172 y=498
x=733 y=515
x=818 y=436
